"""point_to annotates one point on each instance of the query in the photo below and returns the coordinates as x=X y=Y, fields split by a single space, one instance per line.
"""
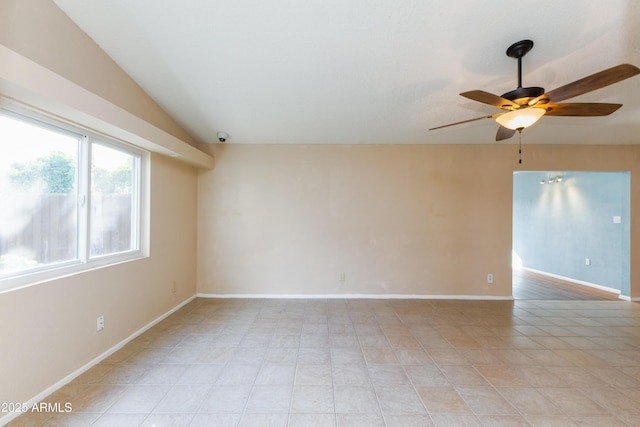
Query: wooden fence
x=44 y=227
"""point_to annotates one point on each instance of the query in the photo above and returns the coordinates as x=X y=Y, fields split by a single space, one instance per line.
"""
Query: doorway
x=571 y=233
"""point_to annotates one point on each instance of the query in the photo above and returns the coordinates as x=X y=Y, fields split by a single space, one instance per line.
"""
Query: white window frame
x=140 y=205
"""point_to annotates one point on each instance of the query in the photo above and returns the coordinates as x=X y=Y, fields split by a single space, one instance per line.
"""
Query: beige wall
x=409 y=220
x=48 y=331
x=425 y=220
x=40 y=31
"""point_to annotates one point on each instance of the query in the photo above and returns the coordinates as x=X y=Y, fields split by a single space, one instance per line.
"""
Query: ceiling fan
x=524 y=106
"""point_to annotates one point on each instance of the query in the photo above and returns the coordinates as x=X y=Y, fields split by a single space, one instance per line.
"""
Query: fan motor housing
x=523 y=95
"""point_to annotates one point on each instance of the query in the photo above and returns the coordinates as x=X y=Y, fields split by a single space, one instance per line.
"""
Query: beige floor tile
x=608 y=421
x=281 y=355
x=344 y=340
x=66 y=420
x=386 y=375
x=512 y=356
x=359 y=420
x=447 y=356
x=503 y=375
x=615 y=401
x=264 y=420
x=312 y=399
x=314 y=355
x=168 y=420
x=614 y=358
x=200 y=374
x=464 y=342
x=311 y=420
x=528 y=401
x=539 y=376
x=403 y=341
x=369 y=362
x=125 y=374
x=249 y=355
x=351 y=399
x=399 y=400
x=182 y=398
x=182 y=355
x=463 y=375
x=614 y=377
x=480 y=356
x=314 y=341
x=119 y=420
x=426 y=375
x=139 y=398
x=71 y=393
x=270 y=398
x=631 y=393
x=209 y=420
x=411 y=420
x=93 y=375
x=455 y=420
x=374 y=341
x=163 y=374
x=313 y=375
x=503 y=421
x=380 y=356
x=276 y=374
x=572 y=402
x=550 y=342
x=226 y=399
x=97 y=398
x=546 y=357
x=550 y=421
x=581 y=358
x=485 y=401
x=411 y=356
x=350 y=375
x=347 y=356
x=573 y=376
x=443 y=400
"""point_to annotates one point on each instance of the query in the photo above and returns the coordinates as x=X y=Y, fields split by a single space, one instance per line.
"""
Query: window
x=113 y=201
x=70 y=200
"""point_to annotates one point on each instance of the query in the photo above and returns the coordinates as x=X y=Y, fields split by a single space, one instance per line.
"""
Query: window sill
x=28 y=279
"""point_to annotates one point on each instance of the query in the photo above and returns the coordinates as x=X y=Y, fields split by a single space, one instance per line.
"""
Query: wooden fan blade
x=504 y=133
x=489 y=98
x=585 y=109
x=466 y=121
x=595 y=81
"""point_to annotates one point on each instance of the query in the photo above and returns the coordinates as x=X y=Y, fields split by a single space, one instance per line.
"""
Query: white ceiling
x=366 y=71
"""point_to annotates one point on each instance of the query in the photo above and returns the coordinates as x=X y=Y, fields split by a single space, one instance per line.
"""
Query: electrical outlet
x=587 y=261
x=489 y=278
x=174 y=287
x=99 y=323
x=343 y=277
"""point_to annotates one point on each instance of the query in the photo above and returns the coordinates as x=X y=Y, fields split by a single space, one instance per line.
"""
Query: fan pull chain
x=520 y=146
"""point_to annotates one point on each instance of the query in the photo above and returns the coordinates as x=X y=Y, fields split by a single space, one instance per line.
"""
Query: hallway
x=528 y=285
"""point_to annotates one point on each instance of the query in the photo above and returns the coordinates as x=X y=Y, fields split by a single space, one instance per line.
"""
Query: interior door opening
x=571 y=228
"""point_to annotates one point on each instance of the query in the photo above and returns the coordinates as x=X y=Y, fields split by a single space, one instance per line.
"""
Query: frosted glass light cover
x=520 y=118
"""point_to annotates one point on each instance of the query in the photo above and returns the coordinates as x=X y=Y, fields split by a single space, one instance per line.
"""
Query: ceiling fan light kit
x=520 y=119
x=524 y=106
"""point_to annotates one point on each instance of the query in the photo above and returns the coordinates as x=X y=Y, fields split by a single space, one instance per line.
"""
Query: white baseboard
x=574 y=281
x=66 y=380
x=357 y=296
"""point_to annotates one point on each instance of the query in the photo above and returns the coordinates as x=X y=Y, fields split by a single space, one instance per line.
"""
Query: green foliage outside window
x=56 y=172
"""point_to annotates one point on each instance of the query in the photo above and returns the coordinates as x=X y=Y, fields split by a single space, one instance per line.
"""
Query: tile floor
x=370 y=363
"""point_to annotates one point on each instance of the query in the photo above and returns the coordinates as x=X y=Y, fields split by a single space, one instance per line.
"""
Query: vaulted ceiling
x=366 y=71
